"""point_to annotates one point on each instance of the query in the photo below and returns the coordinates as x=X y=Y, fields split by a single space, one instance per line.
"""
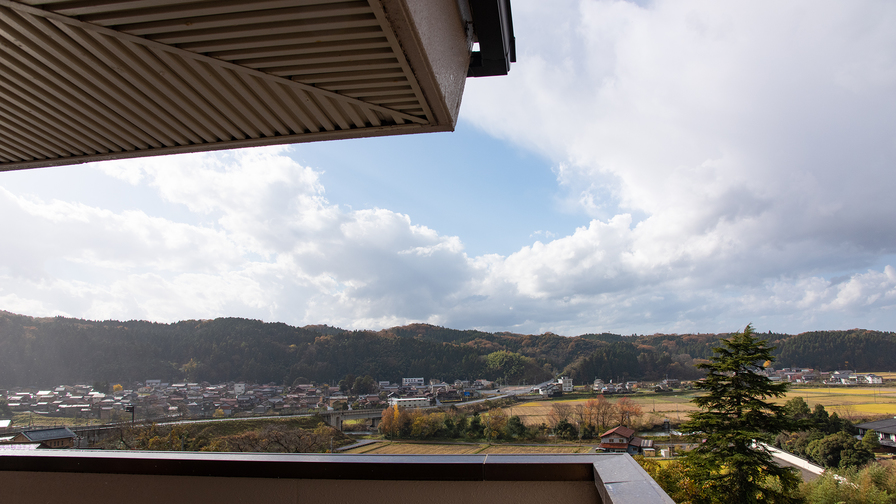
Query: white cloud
x=758 y=147
x=731 y=157
x=272 y=248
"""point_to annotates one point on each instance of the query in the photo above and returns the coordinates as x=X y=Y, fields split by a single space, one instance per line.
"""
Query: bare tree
x=626 y=409
x=558 y=413
x=602 y=412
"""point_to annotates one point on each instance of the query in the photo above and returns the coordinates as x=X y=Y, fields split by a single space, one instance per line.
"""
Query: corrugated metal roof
x=94 y=79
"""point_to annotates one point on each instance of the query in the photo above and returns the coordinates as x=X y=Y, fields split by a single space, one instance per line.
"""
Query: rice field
x=655 y=407
x=398 y=448
x=511 y=449
x=850 y=402
x=387 y=448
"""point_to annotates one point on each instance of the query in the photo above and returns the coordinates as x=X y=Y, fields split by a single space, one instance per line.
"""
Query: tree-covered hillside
x=49 y=351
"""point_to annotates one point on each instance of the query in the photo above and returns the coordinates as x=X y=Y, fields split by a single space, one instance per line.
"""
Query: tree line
x=58 y=350
x=568 y=422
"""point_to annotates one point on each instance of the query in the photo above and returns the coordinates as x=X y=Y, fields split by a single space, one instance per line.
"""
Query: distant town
x=154 y=399
x=157 y=400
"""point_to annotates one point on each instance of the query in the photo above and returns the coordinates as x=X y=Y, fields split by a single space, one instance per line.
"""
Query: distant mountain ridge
x=56 y=350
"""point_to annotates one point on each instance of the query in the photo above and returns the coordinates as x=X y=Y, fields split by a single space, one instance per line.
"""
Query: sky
x=646 y=167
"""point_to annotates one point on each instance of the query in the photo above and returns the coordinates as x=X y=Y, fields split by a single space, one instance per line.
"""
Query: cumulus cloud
x=755 y=149
x=733 y=162
x=271 y=247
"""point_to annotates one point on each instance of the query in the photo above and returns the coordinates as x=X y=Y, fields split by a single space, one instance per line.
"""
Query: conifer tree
x=734 y=411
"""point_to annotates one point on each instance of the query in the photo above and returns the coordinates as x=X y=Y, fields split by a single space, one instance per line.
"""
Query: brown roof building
x=60 y=437
x=623 y=440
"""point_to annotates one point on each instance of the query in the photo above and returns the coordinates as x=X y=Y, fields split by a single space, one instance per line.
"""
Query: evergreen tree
x=475 y=429
x=566 y=430
x=871 y=440
x=840 y=450
x=516 y=428
x=797 y=409
x=734 y=411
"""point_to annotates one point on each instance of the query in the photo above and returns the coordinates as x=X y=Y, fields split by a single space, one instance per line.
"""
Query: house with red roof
x=623 y=440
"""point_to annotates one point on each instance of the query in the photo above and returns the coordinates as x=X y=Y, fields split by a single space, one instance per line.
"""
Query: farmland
x=854 y=403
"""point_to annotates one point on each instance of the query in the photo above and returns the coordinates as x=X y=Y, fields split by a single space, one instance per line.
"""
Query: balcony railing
x=182 y=477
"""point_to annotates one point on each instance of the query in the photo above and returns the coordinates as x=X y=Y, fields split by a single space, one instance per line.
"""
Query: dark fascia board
x=493 y=29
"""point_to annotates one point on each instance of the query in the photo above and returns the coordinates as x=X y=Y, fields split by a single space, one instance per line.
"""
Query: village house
x=61 y=437
x=885 y=429
x=870 y=378
x=672 y=383
x=550 y=390
x=565 y=384
x=623 y=440
x=481 y=384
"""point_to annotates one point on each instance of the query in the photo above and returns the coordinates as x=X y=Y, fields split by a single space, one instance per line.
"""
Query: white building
x=412 y=382
x=872 y=378
x=239 y=388
x=566 y=384
x=409 y=402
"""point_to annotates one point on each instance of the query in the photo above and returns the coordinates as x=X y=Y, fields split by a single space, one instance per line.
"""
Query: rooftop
x=887 y=425
x=48 y=434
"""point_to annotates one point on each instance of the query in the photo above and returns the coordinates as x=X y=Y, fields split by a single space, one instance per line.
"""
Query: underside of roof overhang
x=86 y=80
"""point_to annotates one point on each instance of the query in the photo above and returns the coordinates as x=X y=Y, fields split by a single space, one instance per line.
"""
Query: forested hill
x=50 y=351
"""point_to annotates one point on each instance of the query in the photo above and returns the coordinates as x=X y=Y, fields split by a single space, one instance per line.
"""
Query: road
x=808 y=470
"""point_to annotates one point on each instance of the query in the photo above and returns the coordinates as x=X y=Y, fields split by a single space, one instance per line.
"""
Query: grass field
x=852 y=402
x=41 y=421
x=387 y=448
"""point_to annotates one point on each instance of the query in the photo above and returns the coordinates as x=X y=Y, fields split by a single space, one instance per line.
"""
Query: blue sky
x=497 y=196
x=662 y=166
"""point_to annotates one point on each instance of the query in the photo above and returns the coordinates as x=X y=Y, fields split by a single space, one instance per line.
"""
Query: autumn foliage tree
x=626 y=409
x=388 y=423
x=495 y=423
x=278 y=439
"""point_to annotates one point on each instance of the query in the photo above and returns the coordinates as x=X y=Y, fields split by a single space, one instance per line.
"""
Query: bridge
x=336 y=418
x=90 y=434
